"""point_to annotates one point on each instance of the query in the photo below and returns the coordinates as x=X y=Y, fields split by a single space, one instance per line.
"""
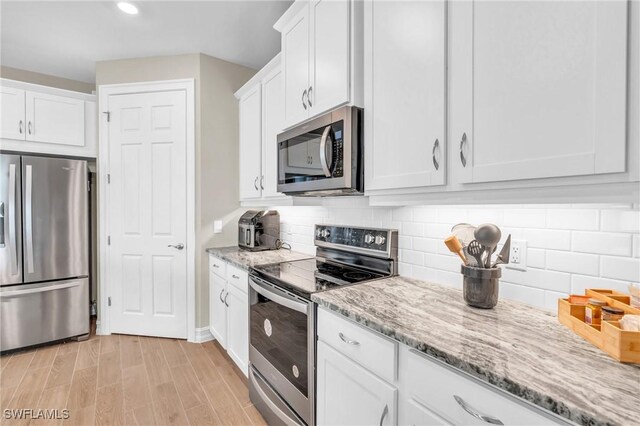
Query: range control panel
x=380 y=240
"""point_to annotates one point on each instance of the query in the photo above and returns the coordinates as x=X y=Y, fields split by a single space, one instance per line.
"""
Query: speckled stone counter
x=518 y=348
x=246 y=259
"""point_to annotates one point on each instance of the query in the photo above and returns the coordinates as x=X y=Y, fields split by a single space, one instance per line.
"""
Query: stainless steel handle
x=309 y=92
x=20 y=127
x=255 y=183
x=215 y=266
x=178 y=246
x=29 y=127
x=262 y=182
x=486 y=419
x=384 y=413
x=280 y=298
x=347 y=340
x=16 y=293
x=2 y=245
x=12 y=219
x=28 y=216
x=323 y=154
x=463 y=142
x=304 y=95
x=436 y=145
x=235 y=276
x=286 y=420
x=220 y=297
x=225 y=299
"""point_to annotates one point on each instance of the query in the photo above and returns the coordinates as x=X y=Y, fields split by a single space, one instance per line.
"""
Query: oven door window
x=280 y=335
x=314 y=155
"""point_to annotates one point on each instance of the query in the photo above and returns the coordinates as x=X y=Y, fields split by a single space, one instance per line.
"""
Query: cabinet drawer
x=437 y=386
x=217 y=266
x=237 y=278
x=371 y=350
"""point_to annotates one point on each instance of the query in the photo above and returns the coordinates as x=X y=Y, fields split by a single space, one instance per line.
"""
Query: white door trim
x=104 y=91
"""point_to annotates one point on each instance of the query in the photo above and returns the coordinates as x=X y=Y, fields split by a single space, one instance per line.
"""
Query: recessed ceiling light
x=127 y=8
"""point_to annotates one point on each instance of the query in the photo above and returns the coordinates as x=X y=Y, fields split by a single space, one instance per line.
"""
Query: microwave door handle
x=323 y=152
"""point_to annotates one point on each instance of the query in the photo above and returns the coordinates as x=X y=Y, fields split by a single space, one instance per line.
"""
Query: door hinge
x=108 y=115
x=109 y=178
x=109 y=300
x=109 y=240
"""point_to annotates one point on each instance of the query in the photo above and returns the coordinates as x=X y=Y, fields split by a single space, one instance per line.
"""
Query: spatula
x=454 y=245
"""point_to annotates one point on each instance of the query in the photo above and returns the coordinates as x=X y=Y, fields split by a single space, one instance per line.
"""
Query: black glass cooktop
x=313 y=275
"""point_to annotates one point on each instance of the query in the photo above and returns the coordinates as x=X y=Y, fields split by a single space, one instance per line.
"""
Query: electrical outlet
x=217 y=226
x=518 y=255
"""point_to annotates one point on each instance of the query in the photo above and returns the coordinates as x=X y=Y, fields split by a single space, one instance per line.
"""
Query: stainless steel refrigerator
x=44 y=250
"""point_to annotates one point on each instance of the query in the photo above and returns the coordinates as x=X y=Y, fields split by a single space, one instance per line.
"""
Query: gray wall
x=216 y=144
x=46 y=80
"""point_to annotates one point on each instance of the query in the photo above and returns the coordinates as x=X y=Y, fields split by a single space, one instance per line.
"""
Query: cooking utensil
x=464 y=232
x=476 y=250
x=489 y=236
x=455 y=246
x=503 y=256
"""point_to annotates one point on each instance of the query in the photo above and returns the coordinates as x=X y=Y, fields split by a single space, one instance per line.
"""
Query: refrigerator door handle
x=11 y=213
x=2 y=242
x=17 y=293
x=28 y=216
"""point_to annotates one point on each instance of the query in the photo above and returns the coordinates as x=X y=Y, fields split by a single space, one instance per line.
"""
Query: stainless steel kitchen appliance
x=323 y=157
x=259 y=230
x=44 y=250
x=282 y=317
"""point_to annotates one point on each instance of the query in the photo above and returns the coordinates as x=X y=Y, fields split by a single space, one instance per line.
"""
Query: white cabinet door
x=272 y=124
x=416 y=414
x=295 y=48
x=405 y=94
x=12 y=113
x=250 y=144
x=329 y=50
x=217 y=308
x=54 y=119
x=537 y=88
x=238 y=327
x=350 y=395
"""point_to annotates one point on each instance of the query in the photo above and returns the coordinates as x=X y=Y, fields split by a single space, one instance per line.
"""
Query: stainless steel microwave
x=324 y=156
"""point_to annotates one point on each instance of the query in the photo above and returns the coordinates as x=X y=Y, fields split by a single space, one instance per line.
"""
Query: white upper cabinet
x=12 y=113
x=54 y=119
x=45 y=120
x=321 y=57
x=272 y=124
x=250 y=144
x=537 y=89
x=405 y=81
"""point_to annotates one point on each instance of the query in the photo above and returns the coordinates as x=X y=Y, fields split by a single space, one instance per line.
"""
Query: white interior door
x=147 y=214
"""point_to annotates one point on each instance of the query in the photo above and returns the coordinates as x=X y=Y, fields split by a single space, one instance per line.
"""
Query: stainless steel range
x=282 y=316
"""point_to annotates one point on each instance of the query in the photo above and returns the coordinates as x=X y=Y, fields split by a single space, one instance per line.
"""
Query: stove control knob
x=380 y=239
x=368 y=239
x=325 y=233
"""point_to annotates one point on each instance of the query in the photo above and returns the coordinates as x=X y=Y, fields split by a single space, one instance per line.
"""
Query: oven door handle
x=278 y=297
x=324 y=162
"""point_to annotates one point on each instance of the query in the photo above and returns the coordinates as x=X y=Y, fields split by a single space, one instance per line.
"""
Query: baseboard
x=203 y=335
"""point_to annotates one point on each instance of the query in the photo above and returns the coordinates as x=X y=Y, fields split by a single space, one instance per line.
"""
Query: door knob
x=177 y=246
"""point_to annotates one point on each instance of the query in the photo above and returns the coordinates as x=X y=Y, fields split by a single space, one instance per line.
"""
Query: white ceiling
x=67 y=38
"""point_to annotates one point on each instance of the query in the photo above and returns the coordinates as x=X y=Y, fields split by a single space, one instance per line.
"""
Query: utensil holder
x=480 y=286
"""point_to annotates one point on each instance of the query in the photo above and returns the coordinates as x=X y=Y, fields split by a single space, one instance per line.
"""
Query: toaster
x=259 y=230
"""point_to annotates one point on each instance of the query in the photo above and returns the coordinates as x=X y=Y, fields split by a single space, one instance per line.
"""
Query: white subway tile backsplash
x=601 y=243
x=578 y=263
x=621 y=221
x=583 y=219
x=570 y=247
x=621 y=268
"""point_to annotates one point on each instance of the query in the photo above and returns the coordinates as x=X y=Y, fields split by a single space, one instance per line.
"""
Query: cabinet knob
x=463 y=143
x=304 y=95
x=436 y=146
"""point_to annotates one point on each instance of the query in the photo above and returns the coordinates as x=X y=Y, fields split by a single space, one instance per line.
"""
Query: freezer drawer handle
x=17 y=293
x=12 y=219
x=28 y=226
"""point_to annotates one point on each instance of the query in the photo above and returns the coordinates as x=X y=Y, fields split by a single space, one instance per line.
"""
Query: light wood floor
x=118 y=379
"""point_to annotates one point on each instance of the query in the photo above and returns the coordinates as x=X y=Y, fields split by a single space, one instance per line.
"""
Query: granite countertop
x=247 y=259
x=521 y=349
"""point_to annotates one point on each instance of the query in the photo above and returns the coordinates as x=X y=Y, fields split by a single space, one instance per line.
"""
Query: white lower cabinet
x=348 y=394
x=424 y=391
x=229 y=310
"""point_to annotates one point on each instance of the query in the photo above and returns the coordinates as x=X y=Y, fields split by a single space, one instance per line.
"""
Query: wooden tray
x=619 y=344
